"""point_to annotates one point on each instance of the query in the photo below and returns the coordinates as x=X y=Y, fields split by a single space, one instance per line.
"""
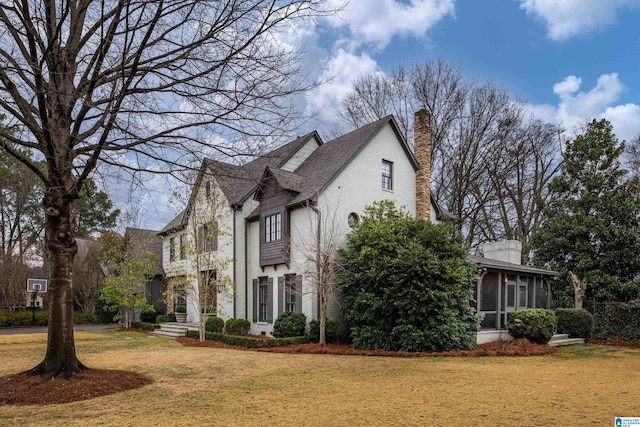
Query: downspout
x=313 y=207
x=234 y=208
x=246 y=274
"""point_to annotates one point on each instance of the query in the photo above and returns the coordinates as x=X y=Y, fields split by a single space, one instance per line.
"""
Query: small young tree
x=407 y=283
x=207 y=237
x=320 y=250
x=130 y=267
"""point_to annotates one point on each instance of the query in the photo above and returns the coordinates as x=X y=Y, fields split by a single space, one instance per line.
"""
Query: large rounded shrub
x=406 y=283
x=289 y=324
x=331 y=331
x=535 y=324
x=149 y=314
x=214 y=324
x=237 y=327
x=577 y=322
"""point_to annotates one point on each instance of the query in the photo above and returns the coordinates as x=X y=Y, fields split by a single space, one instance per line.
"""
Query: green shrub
x=104 y=311
x=406 y=283
x=577 y=322
x=214 y=324
x=145 y=325
x=250 y=342
x=238 y=327
x=149 y=314
x=331 y=331
x=79 y=317
x=535 y=324
x=289 y=324
x=13 y=318
x=618 y=320
x=162 y=318
x=181 y=309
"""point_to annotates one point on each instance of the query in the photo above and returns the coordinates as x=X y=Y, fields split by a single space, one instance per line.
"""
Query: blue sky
x=570 y=60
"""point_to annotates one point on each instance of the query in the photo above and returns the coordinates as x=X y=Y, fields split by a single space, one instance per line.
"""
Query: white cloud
x=377 y=21
x=340 y=70
x=575 y=107
x=568 y=18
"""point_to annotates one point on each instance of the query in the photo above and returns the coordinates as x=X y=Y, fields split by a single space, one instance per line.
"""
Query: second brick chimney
x=422 y=153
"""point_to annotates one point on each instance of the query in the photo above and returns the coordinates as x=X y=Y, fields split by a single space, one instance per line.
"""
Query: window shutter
x=280 y=295
x=214 y=240
x=298 y=283
x=256 y=303
x=270 y=300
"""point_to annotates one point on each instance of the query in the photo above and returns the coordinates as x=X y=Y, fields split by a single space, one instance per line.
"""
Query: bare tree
x=87 y=274
x=134 y=84
x=490 y=165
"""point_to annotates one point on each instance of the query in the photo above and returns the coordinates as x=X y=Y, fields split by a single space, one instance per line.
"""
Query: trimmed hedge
x=149 y=314
x=145 y=325
x=535 y=324
x=163 y=318
x=577 y=322
x=619 y=320
x=14 y=318
x=214 y=324
x=238 y=327
x=331 y=331
x=250 y=342
x=181 y=309
x=289 y=324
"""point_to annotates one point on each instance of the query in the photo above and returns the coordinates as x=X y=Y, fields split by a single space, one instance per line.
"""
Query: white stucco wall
x=301 y=155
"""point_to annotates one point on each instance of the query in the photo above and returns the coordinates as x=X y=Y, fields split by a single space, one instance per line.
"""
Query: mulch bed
x=27 y=389
x=519 y=347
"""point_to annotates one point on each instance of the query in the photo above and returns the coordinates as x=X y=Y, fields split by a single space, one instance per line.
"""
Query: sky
x=569 y=60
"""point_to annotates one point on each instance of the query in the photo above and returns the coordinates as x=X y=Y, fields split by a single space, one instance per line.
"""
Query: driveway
x=43 y=329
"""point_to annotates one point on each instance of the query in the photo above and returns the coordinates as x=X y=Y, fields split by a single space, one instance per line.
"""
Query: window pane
x=489 y=321
x=522 y=296
x=489 y=292
x=387 y=175
x=541 y=294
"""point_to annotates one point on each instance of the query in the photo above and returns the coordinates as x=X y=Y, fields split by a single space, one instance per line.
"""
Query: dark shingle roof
x=174 y=224
x=152 y=241
x=507 y=266
x=331 y=158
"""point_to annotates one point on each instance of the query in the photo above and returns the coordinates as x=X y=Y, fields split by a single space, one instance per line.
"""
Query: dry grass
x=227 y=387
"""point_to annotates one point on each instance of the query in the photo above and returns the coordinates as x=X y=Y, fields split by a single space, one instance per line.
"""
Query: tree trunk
x=579 y=289
x=323 y=318
x=60 y=359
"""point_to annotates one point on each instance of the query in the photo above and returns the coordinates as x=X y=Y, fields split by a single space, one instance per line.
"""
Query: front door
x=510 y=302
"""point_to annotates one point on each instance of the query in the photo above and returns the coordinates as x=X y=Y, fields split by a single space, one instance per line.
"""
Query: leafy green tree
x=407 y=283
x=93 y=211
x=130 y=266
x=591 y=228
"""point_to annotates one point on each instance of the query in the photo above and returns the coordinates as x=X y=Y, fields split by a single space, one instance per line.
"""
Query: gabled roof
x=286 y=180
x=326 y=162
x=507 y=266
x=152 y=241
x=175 y=224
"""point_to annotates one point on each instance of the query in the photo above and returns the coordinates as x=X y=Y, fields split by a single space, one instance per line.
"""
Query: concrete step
x=558 y=337
x=174 y=330
x=566 y=341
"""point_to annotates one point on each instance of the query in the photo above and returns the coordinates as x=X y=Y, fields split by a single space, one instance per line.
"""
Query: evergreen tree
x=591 y=228
x=93 y=211
x=406 y=283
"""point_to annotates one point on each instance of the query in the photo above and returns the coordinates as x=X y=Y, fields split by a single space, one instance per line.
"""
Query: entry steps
x=174 y=330
x=563 y=339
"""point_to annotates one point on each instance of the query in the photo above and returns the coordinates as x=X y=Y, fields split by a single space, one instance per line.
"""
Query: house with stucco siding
x=276 y=209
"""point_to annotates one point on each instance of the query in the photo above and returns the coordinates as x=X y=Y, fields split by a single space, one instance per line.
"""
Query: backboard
x=37 y=285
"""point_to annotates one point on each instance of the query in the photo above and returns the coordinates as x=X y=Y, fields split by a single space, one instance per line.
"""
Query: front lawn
x=215 y=386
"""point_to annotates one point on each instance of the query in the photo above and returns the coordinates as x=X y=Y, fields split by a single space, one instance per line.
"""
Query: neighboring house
x=149 y=240
x=276 y=209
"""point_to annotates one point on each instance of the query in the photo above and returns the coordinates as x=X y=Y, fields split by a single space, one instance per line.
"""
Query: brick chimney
x=422 y=152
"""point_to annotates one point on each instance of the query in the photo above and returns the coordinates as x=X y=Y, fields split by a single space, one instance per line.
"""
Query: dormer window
x=273 y=228
x=207 y=189
x=387 y=175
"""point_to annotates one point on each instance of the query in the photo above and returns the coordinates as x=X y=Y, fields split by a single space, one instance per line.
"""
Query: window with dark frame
x=290 y=292
x=172 y=249
x=273 y=228
x=387 y=175
x=263 y=299
x=183 y=247
x=207 y=237
x=207 y=188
